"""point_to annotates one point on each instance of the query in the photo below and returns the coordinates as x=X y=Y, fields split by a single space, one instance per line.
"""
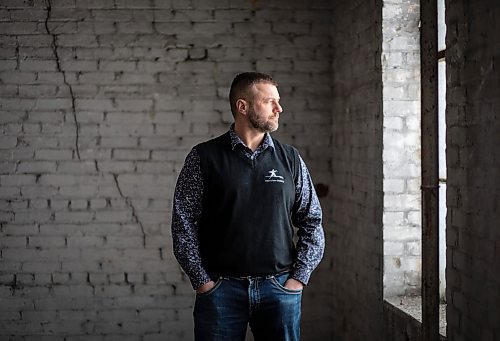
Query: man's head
x=254 y=98
x=242 y=86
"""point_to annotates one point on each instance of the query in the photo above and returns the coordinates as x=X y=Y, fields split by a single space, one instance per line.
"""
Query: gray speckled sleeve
x=307 y=217
x=186 y=215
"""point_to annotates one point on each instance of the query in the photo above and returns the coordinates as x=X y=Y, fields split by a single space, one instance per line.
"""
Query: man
x=236 y=203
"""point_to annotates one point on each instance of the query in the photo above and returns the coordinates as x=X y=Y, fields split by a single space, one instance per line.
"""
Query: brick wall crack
x=60 y=70
x=132 y=208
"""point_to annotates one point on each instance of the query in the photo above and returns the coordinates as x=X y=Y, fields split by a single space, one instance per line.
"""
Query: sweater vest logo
x=274 y=177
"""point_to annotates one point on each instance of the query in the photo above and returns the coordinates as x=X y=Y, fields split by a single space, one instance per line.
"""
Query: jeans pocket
x=281 y=287
x=218 y=282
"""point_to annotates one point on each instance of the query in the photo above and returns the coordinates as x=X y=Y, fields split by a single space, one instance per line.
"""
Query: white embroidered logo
x=273 y=177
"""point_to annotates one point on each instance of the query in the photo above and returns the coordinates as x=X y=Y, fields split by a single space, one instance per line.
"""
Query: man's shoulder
x=214 y=142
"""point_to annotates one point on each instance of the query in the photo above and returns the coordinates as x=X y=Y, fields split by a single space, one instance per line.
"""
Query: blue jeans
x=273 y=312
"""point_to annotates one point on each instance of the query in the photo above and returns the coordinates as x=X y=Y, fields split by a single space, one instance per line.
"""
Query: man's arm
x=186 y=215
x=307 y=217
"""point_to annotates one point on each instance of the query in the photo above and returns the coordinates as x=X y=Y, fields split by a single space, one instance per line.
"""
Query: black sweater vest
x=246 y=226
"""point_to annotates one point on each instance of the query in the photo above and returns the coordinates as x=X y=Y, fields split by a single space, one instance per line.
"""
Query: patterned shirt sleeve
x=186 y=215
x=307 y=218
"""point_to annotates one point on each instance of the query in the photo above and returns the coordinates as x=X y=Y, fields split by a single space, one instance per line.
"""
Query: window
x=402 y=156
x=442 y=146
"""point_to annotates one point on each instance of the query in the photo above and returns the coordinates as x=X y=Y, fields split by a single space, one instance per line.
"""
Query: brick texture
x=357 y=171
x=473 y=161
x=100 y=101
x=401 y=153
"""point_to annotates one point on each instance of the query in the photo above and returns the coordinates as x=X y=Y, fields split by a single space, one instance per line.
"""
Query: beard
x=262 y=124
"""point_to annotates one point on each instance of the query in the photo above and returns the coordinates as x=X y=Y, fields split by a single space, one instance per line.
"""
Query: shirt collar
x=235 y=140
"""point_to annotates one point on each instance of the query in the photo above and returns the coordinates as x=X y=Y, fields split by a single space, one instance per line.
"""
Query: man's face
x=264 y=108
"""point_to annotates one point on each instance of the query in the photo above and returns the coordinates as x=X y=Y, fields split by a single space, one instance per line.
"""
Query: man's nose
x=279 y=108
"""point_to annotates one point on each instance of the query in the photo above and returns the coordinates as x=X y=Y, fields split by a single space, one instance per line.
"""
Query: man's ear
x=242 y=106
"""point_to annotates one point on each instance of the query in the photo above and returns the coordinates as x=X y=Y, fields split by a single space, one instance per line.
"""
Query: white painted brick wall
x=97 y=116
x=401 y=154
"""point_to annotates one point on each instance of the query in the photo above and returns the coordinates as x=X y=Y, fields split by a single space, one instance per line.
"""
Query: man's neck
x=250 y=137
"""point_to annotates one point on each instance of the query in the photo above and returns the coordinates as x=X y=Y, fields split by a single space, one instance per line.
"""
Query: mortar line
x=60 y=70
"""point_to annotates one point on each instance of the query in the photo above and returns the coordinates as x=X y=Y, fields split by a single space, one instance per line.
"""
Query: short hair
x=243 y=82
